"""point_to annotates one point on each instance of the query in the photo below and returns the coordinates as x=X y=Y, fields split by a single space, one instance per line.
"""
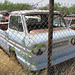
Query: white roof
x=32 y=12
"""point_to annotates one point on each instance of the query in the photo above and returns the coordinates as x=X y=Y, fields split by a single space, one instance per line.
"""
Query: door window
x=16 y=23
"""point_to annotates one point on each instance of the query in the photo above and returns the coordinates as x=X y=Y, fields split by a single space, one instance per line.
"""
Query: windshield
x=40 y=21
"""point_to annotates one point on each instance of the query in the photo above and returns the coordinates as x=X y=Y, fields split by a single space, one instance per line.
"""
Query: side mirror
x=73 y=26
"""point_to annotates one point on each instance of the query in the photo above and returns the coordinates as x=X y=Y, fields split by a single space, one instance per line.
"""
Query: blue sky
x=44 y=2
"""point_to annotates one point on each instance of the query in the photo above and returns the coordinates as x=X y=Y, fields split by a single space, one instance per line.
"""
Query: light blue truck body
x=24 y=42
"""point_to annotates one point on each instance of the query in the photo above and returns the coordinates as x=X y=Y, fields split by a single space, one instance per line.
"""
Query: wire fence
x=37 y=42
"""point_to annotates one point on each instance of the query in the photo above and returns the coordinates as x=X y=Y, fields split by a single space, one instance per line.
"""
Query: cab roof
x=33 y=12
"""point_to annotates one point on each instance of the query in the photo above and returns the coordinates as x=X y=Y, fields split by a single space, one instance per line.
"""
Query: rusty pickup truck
x=27 y=36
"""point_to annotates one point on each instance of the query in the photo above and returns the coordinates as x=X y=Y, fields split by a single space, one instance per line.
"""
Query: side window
x=58 y=22
x=15 y=23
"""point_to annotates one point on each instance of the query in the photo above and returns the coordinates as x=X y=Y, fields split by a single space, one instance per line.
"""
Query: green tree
x=14 y=6
x=56 y=6
x=72 y=9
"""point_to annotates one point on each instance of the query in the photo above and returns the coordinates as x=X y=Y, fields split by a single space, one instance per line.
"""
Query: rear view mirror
x=73 y=26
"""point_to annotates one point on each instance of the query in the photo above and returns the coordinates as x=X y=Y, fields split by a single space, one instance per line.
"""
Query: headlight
x=43 y=49
x=35 y=51
x=39 y=49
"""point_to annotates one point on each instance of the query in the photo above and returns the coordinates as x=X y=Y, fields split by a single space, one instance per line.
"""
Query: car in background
x=4 y=16
x=4 y=25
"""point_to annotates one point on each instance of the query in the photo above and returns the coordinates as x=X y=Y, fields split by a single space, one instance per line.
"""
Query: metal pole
x=50 y=70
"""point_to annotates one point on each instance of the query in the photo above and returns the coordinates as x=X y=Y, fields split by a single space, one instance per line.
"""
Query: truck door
x=16 y=33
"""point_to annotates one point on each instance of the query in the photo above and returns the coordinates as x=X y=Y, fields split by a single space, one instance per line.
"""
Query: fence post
x=50 y=70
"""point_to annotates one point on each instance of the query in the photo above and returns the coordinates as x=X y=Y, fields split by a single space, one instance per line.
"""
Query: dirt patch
x=9 y=65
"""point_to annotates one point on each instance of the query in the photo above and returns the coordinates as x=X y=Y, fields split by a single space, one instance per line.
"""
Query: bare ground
x=10 y=66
